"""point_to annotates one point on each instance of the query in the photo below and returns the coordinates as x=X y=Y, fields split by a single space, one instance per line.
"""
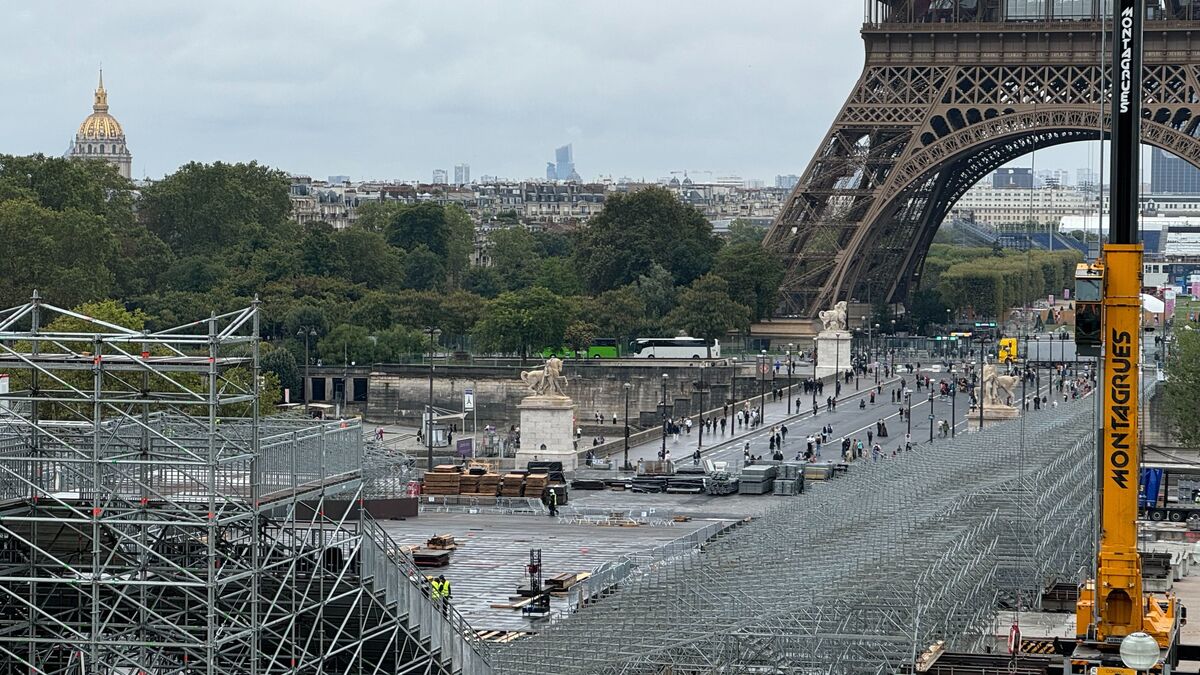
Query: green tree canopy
x=742 y=231
x=521 y=322
x=579 y=335
x=1182 y=388
x=706 y=311
x=754 y=275
x=202 y=209
x=632 y=232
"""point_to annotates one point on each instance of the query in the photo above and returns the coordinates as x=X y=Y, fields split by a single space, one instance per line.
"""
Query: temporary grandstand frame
x=856 y=577
x=152 y=522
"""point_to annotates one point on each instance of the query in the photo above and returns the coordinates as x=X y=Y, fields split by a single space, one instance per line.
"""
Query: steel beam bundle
x=859 y=574
x=151 y=522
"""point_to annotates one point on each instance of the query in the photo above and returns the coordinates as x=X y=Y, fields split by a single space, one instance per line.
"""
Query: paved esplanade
x=847 y=420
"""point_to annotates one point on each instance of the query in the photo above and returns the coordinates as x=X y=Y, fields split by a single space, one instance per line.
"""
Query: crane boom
x=1114 y=606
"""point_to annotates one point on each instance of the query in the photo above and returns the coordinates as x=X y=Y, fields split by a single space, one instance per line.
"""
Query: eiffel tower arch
x=950 y=91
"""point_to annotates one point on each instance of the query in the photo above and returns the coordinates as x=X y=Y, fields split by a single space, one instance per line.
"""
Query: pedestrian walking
x=696 y=457
x=552 y=502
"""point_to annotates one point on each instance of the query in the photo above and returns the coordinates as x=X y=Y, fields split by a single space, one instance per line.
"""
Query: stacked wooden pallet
x=512 y=485
x=443 y=480
x=441 y=542
x=468 y=484
x=489 y=484
x=535 y=484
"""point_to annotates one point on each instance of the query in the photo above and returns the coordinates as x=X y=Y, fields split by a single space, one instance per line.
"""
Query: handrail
x=404 y=565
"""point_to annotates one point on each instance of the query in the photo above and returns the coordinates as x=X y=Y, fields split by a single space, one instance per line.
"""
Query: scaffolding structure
x=859 y=575
x=152 y=522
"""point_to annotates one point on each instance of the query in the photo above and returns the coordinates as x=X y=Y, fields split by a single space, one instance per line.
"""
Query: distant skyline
x=382 y=89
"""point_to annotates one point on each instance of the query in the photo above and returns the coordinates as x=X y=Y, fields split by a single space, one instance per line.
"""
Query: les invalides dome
x=100 y=136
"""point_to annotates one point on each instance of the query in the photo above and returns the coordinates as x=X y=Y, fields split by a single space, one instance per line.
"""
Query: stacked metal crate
x=790 y=479
x=757 y=479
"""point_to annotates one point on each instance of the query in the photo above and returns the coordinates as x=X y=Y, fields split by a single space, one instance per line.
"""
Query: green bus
x=601 y=348
x=604 y=348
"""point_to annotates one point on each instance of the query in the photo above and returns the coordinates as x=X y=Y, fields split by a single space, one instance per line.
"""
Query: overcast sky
x=395 y=89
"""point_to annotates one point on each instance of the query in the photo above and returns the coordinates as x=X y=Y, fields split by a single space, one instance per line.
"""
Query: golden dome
x=100 y=125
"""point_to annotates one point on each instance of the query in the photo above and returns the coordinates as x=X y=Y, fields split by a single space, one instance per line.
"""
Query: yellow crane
x=1120 y=628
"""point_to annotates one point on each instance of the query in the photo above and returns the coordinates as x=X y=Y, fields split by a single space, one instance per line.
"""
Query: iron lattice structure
x=949 y=92
x=151 y=522
x=856 y=576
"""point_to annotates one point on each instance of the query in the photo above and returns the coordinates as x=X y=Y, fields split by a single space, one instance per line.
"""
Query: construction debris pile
x=909 y=551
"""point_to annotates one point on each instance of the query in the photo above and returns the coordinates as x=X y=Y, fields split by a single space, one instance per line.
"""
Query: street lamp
x=953 y=397
x=663 y=452
x=790 y=366
x=875 y=350
x=1139 y=651
x=700 y=435
x=626 y=467
x=429 y=408
x=762 y=386
x=306 y=332
x=931 y=414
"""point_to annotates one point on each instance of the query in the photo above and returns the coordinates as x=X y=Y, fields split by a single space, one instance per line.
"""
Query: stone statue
x=548 y=381
x=835 y=319
x=998 y=389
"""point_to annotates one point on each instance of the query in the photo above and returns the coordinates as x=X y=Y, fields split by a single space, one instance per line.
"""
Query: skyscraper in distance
x=462 y=174
x=440 y=177
x=1172 y=175
x=563 y=166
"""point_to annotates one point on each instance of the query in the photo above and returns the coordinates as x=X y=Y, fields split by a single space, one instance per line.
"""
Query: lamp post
x=856 y=359
x=762 y=386
x=700 y=435
x=306 y=332
x=931 y=414
x=875 y=351
x=663 y=452
x=790 y=367
x=983 y=340
x=429 y=407
x=953 y=397
x=626 y=467
x=892 y=349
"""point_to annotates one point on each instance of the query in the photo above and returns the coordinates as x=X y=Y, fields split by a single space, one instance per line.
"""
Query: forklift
x=1120 y=628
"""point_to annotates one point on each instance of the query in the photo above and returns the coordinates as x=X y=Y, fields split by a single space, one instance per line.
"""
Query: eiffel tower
x=950 y=91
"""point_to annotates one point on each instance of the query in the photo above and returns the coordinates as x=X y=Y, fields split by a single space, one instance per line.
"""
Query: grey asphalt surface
x=846 y=420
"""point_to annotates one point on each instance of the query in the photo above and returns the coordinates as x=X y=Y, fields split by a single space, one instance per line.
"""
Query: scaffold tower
x=152 y=521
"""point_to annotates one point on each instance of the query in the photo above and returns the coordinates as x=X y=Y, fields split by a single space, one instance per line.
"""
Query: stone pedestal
x=547 y=431
x=833 y=352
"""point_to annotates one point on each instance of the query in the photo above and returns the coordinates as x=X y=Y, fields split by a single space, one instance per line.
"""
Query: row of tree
x=210 y=237
x=987 y=281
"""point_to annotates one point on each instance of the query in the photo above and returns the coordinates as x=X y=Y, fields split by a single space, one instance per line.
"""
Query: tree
x=621 y=313
x=424 y=270
x=1182 y=388
x=521 y=321
x=754 y=275
x=364 y=257
x=204 y=209
x=346 y=344
x=742 y=231
x=514 y=257
x=397 y=344
x=282 y=363
x=483 y=281
x=65 y=255
x=706 y=311
x=634 y=231
x=657 y=290
x=446 y=231
x=579 y=335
